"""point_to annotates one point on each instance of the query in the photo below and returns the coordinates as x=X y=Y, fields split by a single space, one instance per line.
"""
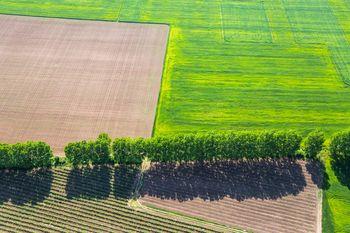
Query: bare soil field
x=68 y=80
x=265 y=196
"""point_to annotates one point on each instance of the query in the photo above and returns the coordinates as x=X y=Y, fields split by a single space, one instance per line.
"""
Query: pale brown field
x=265 y=197
x=68 y=80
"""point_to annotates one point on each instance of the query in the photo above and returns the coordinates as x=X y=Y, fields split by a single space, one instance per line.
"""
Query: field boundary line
x=58 y=17
x=89 y=19
x=162 y=81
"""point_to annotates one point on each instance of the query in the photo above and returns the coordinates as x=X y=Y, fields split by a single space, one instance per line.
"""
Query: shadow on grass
x=89 y=182
x=341 y=169
x=25 y=187
x=240 y=180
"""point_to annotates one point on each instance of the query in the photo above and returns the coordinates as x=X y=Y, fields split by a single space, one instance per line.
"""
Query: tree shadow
x=341 y=169
x=89 y=182
x=240 y=180
x=319 y=176
x=25 y=187
x=124 y=181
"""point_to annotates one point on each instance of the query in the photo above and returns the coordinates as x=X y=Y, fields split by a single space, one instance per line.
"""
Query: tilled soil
x=68 y=80
x=262 y=196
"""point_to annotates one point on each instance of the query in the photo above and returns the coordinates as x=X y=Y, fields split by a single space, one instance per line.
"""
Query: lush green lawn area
x=237 y=64
x=336 y=205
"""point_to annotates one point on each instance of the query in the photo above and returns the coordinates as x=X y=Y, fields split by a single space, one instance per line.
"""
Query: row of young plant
x=178 y=148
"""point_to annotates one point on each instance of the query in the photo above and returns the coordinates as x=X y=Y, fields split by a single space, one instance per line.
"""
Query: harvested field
x=68 y=80
x=266 y=196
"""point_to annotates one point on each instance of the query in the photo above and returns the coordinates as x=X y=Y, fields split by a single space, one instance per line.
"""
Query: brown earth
x=262 y=196
x=68 y=80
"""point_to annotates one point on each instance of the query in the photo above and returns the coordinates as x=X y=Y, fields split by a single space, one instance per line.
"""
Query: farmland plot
x=68 y=80
x=206 y=75
x=265 y=196
x=222 y=70
x=298 y=81
x=79 y=200
x=233 y=77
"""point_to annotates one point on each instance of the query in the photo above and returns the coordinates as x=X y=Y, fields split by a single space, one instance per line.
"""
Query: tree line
x=178 y=148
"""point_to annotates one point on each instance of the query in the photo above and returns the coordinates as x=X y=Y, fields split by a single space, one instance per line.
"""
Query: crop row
x=58 y=213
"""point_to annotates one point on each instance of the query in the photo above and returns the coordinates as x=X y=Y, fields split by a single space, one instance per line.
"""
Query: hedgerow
x=340 y=147
x=86 y=152
x=210 y=146
x=25 y=155
x=176 y=148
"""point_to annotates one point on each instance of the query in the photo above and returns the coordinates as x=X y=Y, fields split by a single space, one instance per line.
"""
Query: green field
x=336 y=204
x=237 y=64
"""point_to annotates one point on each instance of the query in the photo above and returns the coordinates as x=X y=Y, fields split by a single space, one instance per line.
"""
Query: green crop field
x=237 y=64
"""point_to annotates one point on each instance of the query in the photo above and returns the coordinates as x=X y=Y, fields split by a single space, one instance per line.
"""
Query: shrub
x=340 y=154
x=86 y=152
x=313 y=144
x=77 y=153
x=25 y=155
x=5 y=158
x=40 y=154
x=104 y=137
x=101 y=149
x=287 y=144
x=129 y=151
x=340 y=146
x=58 y=161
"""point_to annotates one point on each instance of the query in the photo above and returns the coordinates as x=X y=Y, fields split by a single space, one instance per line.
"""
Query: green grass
x=336 y=205
x=217 y=78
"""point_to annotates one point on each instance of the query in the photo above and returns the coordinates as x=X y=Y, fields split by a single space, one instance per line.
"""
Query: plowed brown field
x=265 y=196
x=68 y=80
